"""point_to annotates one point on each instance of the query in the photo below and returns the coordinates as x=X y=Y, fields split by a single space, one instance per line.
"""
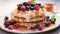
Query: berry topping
x=32 y=27
x=9 y=21
x=31 y=8
x=29 y=2
x=37 y=25
x=36 y=7
x=6 y=17
x=46 y=24
x=40 y=28
x=13 y=22
x=38 y=4
x=32 y=5
x=19 y=5
x=47 y=16
x=23 y=8
x=25 y=4
x=19 y=8
x=52 y=21
x=5 y=24
x=49 y=22
x=16 y=25
x=27 y=7
x=10 y=27
x=48 y=19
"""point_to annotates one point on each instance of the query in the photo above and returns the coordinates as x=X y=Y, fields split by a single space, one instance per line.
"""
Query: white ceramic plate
x=6 y=10
x=28 y=31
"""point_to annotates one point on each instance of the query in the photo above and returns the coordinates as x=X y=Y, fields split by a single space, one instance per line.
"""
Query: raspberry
x=9 y=21
x=29 y=2
x=40 y=28
x=16 y=26
x=36 y=7
x=10 y=27
x=49 y=22
x=19 y=5
x=23 y=8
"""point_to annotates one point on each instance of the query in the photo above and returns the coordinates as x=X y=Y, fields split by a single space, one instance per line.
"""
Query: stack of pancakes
x=28 y=16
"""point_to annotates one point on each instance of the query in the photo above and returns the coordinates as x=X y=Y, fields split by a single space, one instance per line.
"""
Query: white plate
x=28 y=31
x=6 y=10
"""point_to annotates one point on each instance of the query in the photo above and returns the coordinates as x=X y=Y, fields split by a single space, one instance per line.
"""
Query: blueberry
x=6 y=17
x=27 y=7
x=48 y=19
x=32 y=27
x=32 y=5
x=25 y=4
x=47 y=16
x=37 y=26
x=19 y=8
x=46 y=24
x=6 y=25
x=38 y=4
x=31 y=8
x=52 y=21
x=13 y=22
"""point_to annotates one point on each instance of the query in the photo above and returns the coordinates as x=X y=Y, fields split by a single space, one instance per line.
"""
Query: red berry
x=10 y=27
x=36 y=7
x=29 y=2
x=9 y=21
x=16 y=26
x=23 y=8
x=19 y=5
x=40 y=28
x=49 y=22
